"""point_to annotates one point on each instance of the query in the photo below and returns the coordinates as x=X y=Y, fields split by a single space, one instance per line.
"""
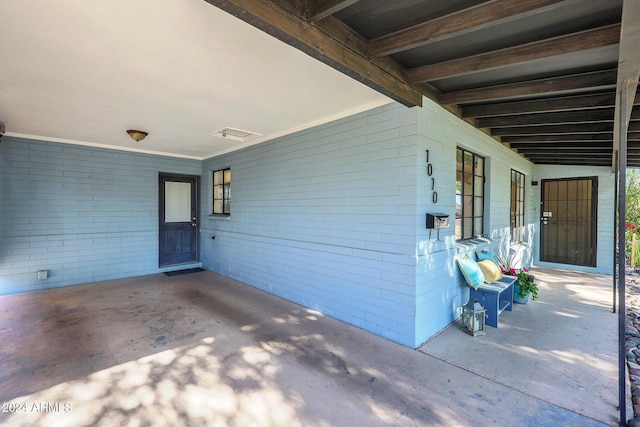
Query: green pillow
x=471 y=272
x=490 y=270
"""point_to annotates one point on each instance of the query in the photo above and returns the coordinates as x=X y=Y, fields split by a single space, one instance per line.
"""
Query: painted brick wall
x=440 y=288
x=326 y=218
x=606 y=212
x=83 y=213
x=332 y=217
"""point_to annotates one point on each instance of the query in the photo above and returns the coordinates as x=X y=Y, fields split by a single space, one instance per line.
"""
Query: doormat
x=187 y=271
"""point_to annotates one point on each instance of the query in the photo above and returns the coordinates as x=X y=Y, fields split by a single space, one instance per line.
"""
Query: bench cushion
x=471 y=272
x=490 y=270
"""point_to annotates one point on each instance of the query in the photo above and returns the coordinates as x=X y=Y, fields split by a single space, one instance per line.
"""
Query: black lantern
x=473 y=315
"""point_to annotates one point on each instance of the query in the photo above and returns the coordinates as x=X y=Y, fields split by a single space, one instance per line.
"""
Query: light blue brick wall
x=440 y=289
x=606 y=212
x=326 y=218
x=332 y=217
x=83 y=213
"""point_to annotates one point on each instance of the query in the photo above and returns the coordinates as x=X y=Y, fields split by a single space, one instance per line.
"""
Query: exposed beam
x=575 y=129
x=573 y=161
x=632 y=137
x=589 y=116
x=606 y=157
x=571 y=84
x=460 y=22
x=583 y=40
x=344 y=35
x=606 y=137
x=581 y=161
x=557 y=147
x=320 y=9
x=295 y=31
x=632 y=161
x=582 y=102
x=566 y=154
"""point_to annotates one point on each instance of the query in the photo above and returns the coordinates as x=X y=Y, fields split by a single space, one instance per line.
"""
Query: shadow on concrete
x=202 y=349
x=561 y=348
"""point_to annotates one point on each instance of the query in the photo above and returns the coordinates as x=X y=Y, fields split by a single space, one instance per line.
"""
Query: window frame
x=477 y=202
x=225 y=191
x=517 y=206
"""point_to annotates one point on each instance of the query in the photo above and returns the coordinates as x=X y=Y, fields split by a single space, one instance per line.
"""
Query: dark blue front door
x=178 y=219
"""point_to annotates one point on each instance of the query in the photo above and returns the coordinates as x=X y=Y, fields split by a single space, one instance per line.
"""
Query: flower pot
x=516 y=295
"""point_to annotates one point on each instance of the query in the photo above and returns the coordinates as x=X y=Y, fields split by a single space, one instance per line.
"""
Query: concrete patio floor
x=204 y=350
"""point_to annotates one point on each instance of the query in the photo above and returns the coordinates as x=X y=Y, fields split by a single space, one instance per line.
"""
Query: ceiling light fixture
x=137 y=135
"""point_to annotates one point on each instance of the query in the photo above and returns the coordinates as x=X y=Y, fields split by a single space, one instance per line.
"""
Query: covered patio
x=295 y=97
x=202 y=349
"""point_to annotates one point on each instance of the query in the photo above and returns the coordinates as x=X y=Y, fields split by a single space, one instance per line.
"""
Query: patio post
x=615 y=228
x=622 y=190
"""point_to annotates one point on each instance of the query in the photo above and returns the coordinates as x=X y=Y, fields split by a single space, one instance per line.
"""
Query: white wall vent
x=235 y=134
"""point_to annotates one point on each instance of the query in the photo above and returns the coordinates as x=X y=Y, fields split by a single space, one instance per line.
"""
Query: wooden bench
x=495 y=297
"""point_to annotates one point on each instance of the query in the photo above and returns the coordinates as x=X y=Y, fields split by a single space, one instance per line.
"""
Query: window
x=469 y=194
x=222 y=192
x=517 y=206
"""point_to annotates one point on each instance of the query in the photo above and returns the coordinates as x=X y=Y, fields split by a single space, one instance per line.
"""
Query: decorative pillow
x=471 y=272
x=490 y=270
x=483 y=255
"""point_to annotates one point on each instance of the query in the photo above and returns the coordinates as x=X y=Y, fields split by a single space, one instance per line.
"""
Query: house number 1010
x=434 y=194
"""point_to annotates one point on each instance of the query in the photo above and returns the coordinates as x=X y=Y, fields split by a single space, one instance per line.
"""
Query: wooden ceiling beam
x=600 y=137
x=576 y=129
x=344 y=35
x=564 y=117
x=586 y=139
x=559 y=154
x=578 y=161
x=569 y=146
x=286 y=26
x=582 y=102
x=583 y=40
x=483 y=15
x=588 y=116
x=570 y=158
x=599 y=159
x=571 y=84
x=320 y=9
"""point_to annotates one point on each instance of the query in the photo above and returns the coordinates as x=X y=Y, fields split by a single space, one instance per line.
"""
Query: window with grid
x=517 y=206
x=469 y=194
x=222 y=192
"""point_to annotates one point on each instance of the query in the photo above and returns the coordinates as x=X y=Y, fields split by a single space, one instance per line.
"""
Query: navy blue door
x=178 y=219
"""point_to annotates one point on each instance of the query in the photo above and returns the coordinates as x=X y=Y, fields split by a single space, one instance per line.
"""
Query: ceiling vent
x=235 y=134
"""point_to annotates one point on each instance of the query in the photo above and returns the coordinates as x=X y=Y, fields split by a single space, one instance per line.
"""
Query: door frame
x=195 y=209
x=594 y=214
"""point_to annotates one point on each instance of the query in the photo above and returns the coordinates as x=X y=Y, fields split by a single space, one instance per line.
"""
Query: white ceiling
x=86 y=71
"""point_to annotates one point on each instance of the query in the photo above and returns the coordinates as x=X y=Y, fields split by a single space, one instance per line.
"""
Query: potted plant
x=524 y=287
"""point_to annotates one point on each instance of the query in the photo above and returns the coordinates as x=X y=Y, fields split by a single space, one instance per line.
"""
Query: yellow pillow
x=490 y=270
